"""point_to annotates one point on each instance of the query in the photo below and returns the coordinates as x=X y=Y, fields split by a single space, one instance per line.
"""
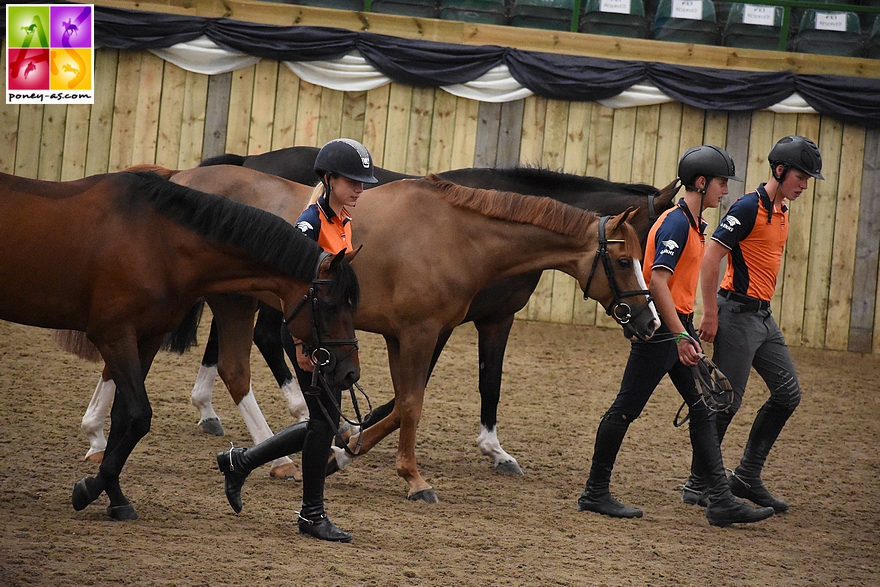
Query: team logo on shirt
x=669 y=247
x=729 y=223
x=304 y=226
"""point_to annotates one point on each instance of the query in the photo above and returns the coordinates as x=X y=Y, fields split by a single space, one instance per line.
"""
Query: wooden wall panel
x=330 y=116
x=286 y=101
x=76 y=137
x=442 y=131
x=101 y=112
x=173 y=96
x=375 y=123
x=308 y=111
x=863 y=325
x=262 y=124
x=148 y=108
x=843 y=255
x=418 y=149
x=822 y=236
x=217 y=115
x=354 y=105
x=9 y=128
x=397 y=127
x=27 y=147
x=52 y=141
x=193 y=120
x=241 y=100
x=125 y=114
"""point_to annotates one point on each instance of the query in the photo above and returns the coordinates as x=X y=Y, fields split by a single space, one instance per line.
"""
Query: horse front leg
x=234 y=317
x=410 y=363
x=493 y=336
x=131 y=416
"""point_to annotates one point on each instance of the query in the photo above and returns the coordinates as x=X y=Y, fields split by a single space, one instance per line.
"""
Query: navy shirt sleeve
x=670 y=239
x=738 y=222
x=309 y=222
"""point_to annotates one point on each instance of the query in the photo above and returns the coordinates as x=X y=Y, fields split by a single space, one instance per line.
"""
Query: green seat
x=619 y=18
x=417 y=8
x=829 y=33
x=554 y=15
x=686 y=21
x=753 y=26
x=481 y=11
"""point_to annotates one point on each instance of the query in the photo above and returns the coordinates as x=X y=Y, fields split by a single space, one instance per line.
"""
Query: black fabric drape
x=556 y=76
x=566 y=77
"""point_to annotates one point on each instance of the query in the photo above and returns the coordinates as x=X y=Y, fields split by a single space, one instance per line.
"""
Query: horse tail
x=227 y=159
x=183 y=337
x=77 y=343
x=158 y=169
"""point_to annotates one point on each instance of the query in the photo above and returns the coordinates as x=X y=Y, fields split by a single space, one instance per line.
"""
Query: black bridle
x=325 y=361
x=619 y=310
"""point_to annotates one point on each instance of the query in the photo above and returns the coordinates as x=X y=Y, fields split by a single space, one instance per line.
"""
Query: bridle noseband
x=619 y=310
x=324 y=360
x=319 y=352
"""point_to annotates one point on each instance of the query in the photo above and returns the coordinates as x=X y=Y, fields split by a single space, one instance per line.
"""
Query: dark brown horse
x=122 y=257
x=475 y=237
x=492 y=310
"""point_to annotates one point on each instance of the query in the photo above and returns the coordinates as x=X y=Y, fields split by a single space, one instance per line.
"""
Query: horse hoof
x=286 y=472
x=212 y=426
x=426 y=495
x=96 y=457
x=122 y=513
x=82 y=497
x=509 y=468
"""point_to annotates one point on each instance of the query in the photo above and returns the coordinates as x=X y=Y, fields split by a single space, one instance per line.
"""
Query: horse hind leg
x=281 y=468
x=202 y=395
x=493 y=336
x=94 y=419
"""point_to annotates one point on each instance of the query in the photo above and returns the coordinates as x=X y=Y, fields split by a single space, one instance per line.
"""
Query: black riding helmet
x=348 y=158
x=798 y=152
x=708 y=161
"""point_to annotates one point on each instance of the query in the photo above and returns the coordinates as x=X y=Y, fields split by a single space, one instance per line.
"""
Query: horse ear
x=616 y=221
x=337 y=259
x=664 y=198
x=353 y=254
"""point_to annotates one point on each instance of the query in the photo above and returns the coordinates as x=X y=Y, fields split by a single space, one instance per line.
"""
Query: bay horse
x=122 y=257
x=492 y=310
x=476 y=237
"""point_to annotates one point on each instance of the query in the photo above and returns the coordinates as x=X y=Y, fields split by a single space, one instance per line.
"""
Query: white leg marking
x=203 y=393
x=296 y=403
x=488 y=444
x=342 y=457
x=96 y=416
x=256 y=423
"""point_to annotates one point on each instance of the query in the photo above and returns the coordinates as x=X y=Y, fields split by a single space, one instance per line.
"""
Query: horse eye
x=625 y=262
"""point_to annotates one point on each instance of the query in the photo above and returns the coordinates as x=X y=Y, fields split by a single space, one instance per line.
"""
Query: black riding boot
x=313 y=520
x=746 y=482
x=693 y=492
x=237 y=463
x=596 y=496
x=723 y=508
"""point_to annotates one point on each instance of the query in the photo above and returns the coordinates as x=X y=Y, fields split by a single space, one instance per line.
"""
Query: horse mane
x=266 y=236
x=158 y=169
x=543 y=212
x=530 y=175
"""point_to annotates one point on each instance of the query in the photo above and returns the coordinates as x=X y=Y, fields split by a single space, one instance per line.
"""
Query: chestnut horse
x=475 y=237
x=492 y=310
x=122 y=257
